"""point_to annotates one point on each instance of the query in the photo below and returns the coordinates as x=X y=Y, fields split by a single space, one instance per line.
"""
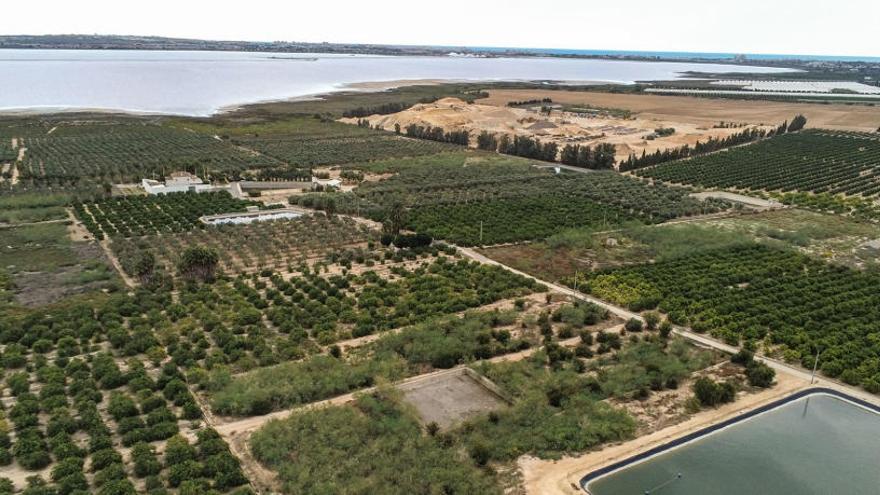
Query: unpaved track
x=684 y=332
x=561 y=477
x=250 y=424
x=15 y=172
x=78 y=229
x=553 y=477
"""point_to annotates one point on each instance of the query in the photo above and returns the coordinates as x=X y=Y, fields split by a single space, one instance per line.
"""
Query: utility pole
x=575 y=279
x=815 y=367
x=481 y=232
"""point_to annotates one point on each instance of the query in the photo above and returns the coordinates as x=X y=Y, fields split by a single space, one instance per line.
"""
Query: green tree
x=198 y=263
x=395 y=219
x=797 y=123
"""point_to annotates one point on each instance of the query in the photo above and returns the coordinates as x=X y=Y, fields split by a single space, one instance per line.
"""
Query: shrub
x=117 y=487
x=652 y=319
x=121 y=406
x=183 y=471
x=743 y=357
x=145 y=461
x=760 y=375
x=225 y=471
x=30 y=450
x=104 y=458
x=711 y=393
x=198 y=263
x=110 y=473
x=178 y=450
x=633 y=325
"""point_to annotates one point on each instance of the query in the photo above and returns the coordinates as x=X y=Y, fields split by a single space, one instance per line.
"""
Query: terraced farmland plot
x=251 y=321
x=512 y=219
x=793 y=304
x=811 y=161
x=88 y=412
x=7 y=154
x=341 y=149
x=274 y=245
x=130 y=216
x=129 y=152
x=514 y=202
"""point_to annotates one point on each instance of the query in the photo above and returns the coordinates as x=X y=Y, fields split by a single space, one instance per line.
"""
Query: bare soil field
x=706 y=111
x=629 y=135
x=450 y=399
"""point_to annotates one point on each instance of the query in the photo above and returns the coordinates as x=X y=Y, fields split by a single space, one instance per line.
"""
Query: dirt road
x=561 y=477
x=250 y=424
x=686 y=333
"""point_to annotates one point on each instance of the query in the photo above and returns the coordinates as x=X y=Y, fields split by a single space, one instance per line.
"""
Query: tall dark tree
x=395 y=219
x=797 y=123
x=487 y=141
x=198 y=264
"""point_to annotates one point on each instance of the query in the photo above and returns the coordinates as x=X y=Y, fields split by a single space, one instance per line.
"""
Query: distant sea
x=200 y=83
x=675 y=55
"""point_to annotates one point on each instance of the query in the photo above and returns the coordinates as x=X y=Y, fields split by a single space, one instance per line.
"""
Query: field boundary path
x=15 y=172
x=700 y=339
x=105 y=246
x=562 y=477
x=252 y=423
x=237 y=433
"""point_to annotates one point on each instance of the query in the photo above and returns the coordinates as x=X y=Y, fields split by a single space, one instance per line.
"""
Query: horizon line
x=501 y=48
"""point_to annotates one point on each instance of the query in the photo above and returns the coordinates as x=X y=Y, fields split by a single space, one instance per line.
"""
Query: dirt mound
x=627 y=134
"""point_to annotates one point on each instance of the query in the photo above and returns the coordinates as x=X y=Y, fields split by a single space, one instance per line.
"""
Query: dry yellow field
x=627 y=134
x=707 y=111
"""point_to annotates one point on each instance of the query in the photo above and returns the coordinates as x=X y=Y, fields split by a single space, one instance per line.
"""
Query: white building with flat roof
x=178 y=182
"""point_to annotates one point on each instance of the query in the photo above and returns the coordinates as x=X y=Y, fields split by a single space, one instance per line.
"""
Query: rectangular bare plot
x=450 y=398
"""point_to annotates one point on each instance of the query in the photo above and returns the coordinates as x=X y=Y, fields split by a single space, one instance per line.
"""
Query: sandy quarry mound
x=627 y=134
x=448 y=113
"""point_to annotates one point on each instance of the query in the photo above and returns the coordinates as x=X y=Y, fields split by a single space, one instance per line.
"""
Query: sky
x=807 y=27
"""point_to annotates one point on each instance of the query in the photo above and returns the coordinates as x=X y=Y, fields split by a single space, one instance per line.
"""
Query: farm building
x=327 y=182
x=186 y=182
x=178 y=182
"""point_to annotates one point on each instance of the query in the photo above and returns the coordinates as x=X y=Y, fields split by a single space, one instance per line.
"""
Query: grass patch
x=36 y=248
x=374 y=447
x=29 y=215
x=440 y=343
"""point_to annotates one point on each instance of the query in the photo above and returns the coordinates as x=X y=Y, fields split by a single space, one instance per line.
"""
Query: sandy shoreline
x=379 y=86
x=362 y=87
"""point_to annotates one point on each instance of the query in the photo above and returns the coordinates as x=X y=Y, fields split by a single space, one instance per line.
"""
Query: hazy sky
x=842 y=27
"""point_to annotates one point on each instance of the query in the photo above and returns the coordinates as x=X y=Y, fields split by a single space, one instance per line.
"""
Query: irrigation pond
x=817 y=444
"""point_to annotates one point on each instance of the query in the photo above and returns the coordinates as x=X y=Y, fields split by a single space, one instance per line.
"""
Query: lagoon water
x=202 y=83
x=817 y=445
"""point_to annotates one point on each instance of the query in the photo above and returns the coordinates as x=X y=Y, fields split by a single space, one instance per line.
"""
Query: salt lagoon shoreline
x=205 y=84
